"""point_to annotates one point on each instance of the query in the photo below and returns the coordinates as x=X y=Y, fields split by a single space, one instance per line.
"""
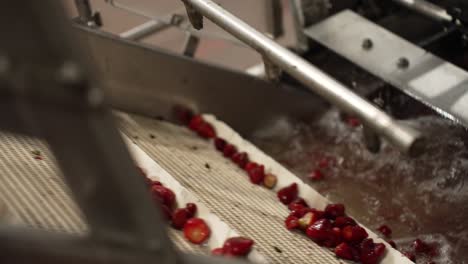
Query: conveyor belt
x=35 y=192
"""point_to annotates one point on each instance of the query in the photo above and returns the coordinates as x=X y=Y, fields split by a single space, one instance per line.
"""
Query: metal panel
x=149 y=81
x=437 y=83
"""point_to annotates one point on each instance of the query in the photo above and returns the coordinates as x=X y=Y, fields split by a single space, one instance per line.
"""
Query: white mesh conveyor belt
x=35 y=194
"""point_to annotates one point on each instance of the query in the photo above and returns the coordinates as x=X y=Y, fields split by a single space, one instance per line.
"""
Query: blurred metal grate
x=35 y=193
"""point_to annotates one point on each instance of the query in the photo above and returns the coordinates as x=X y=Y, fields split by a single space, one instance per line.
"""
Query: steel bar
x=144 y=30
x=426 y=8
x=401 y=136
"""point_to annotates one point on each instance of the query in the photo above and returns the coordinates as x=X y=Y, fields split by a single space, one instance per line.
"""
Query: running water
x=424 y=197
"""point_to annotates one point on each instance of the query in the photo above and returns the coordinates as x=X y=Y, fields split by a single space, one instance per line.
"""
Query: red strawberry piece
x=237 y=246
x=179 y=218
x=196 y=230
x=250 y=165
x=393 y=244
x=342 y=221
x=257 y=174
x=385 y=230
x=422 y=247
x=217 y=252
x=316 y=175
x=240 y=159
x=295 y=206
x=156 y=183
x=334 y=238
x=219 y=144
x=344 y=251
x=229 y=150
x=164 y=195
x=370 y=252
x=309 y=218
x=354 y=234
x=300 y=212
x=191 y=209
x=270 y=181
x=183 y=114
x=298 y=204
x=206 y=130
x=410 y=256
x=288 y=194
x=320 y=230
x=379 y=249
x=291 y=222
x=333 y=211
x=196 y=122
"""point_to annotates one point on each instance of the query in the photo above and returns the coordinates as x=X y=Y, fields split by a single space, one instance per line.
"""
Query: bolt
x=367 y=44
x=403 y=63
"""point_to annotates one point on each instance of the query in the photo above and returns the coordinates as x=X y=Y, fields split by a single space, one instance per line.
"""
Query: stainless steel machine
x=383 y=62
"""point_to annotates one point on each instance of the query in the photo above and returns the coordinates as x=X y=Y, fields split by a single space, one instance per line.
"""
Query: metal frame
x=403 y=137
x=46 y=93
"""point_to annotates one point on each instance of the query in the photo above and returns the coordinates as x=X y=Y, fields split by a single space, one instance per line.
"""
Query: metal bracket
x=195 y=17
x=272 y=72
x=86 y=15
x=190 y=45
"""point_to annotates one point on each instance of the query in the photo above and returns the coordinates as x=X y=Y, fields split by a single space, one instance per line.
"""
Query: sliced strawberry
x=309 y=218
x=196 y=230
x=354 y=234
x=320 y=230
x=385 y=230
x=291 y=222
x=257 y=174
x=343 y=221
x=164 y=195
x=288 y=194
x=344 y=251
x=250 y=165
x=241 y=159
x=196 y=122
x=179 y=218
x=206 y=130
x=220 y=144
x=297 y=204
x=237 y=246
x=333 y=211
x=191 y=209
x=229 y=150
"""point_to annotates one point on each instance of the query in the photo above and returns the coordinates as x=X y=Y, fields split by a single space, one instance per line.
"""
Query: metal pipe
x=401 y=136
x=144 y=30
x=426 y=8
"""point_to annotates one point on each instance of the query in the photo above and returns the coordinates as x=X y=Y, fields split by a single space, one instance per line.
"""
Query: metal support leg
x=190 y=45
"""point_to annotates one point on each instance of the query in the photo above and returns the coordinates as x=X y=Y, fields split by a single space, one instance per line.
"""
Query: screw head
x=367 y=44
x=403 y=63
